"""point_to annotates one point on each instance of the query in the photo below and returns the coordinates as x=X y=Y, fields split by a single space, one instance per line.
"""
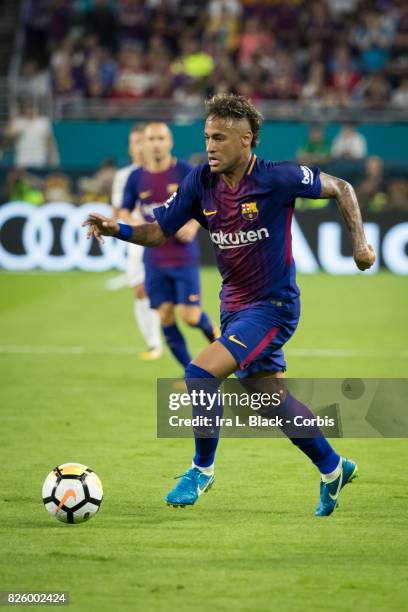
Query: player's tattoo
x=345 y=196
x=148 y=235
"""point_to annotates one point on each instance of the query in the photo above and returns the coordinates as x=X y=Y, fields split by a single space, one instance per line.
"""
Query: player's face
x=136 y=147
x=228 y=143
x=157 y=141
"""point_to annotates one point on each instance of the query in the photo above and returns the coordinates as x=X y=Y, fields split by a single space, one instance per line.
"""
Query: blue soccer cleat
x=189 y=488
x=329 y=492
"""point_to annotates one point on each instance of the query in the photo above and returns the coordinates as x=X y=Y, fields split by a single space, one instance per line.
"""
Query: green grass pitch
x=73 y=390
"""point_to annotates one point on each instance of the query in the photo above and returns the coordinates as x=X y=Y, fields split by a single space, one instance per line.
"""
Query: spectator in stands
x=58 y=188
x=399 y=98
x=397 y=195
x=349 y=144
x=34 y=142
x=284 y=87
x=187 y=94
x=253 y=38
x=376 y=91
x=316 y=149
x=231 y=8
x=100 y=73
x=313 y=90
x=98 y=188
x=319 y=25
x=400 y=42
x=195 y=62
x=133 y=79
x=371 y=190
x=373 y=39
x=223 y=24
x=343 y=76
x=23 y=186
x=35 y=83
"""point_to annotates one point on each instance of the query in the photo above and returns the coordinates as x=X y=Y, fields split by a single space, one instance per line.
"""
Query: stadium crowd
x=330 y=53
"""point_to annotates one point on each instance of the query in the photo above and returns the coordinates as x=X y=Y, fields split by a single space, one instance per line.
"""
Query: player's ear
x=247 y=138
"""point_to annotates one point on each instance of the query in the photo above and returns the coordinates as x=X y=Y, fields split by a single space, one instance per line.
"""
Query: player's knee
x=190 y=315
x=166 y=314
x=194 y=371
x=166 y=320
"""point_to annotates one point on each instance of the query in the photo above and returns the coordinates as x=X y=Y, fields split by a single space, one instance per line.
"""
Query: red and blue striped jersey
x=249 y=226
x=149 y=191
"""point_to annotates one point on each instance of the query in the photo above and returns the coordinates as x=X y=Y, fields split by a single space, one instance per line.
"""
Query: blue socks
x=198 y=379
x=315 y=447
x=206 y=326
x=177 y=344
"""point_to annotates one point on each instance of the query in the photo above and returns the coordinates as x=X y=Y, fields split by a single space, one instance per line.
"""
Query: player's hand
x=364 y=257
x=99 y=226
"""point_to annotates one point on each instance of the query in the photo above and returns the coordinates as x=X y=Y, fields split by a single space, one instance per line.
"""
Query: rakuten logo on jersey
x=231 y=240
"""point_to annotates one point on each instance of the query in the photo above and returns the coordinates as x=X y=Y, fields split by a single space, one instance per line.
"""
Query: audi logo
x=36 y=230
x=50 y=237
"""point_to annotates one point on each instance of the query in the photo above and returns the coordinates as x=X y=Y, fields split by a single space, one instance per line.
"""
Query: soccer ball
x=72 y=493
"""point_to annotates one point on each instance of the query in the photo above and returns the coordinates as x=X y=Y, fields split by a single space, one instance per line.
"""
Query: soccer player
x=146 y=317
x=172 y=269
x=247 y=205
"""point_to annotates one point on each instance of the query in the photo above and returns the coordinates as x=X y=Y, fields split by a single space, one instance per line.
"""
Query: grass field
x=73 y=390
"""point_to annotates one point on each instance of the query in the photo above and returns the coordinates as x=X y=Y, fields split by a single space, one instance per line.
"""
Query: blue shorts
x=255 y=336
x=180 y=285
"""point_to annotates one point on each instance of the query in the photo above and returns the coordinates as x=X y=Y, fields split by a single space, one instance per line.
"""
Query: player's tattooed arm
x=147 y=234
x=345 y=196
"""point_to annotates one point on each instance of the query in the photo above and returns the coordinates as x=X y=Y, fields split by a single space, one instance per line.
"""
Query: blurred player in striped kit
x=147 y=318
x=172 y=276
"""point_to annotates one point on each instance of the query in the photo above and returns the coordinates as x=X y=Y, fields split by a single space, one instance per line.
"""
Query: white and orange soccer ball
x=72 y=493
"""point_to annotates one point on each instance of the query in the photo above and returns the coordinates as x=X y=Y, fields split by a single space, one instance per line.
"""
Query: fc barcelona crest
x=171 y=188
x=249 y=211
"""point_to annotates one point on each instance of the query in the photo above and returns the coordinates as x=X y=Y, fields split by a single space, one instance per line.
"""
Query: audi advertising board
x=51 y=238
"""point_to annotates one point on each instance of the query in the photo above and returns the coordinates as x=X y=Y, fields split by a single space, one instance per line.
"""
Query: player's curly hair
x=231 y=106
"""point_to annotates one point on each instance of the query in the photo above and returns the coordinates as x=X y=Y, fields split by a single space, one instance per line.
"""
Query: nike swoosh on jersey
x=234 y=339
x=209 y=213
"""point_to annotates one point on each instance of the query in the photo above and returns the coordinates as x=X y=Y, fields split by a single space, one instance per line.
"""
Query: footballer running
x=246 y=204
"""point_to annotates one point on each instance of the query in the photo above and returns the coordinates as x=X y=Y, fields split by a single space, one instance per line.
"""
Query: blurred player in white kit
x=147 y=318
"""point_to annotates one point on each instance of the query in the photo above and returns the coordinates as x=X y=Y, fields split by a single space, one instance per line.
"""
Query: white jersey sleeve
x=119 y=184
